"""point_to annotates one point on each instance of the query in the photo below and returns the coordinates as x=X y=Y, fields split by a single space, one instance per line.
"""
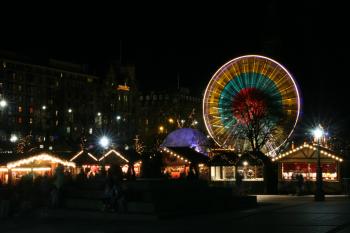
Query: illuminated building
x=171 y=109
x=180 y=162
x=35 y=164
x=46 y=99
x=303 y=160
x=56 y=101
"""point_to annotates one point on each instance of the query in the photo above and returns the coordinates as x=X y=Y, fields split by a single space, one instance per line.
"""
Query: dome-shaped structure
x=187 y=137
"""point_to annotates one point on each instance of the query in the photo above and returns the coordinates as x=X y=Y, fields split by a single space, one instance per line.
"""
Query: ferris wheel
x=245 y=86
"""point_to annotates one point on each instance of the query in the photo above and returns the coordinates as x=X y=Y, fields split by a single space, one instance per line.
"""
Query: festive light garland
x=115 y=152
x=174 y=154
x=75 y=156
x=306 y=146
x=41 y=157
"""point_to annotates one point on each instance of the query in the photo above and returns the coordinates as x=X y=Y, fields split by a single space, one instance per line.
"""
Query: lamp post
x=319 y=195
x=104 y=143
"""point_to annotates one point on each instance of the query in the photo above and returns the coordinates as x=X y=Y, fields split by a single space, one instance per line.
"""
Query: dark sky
x=307 y=39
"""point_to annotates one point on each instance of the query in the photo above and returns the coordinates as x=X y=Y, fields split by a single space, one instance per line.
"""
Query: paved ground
x=282 y=214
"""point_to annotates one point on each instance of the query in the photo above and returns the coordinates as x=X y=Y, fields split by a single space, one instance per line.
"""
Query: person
x=56 y=190
x=239 y=179
x=111 y=194
x=300 y=180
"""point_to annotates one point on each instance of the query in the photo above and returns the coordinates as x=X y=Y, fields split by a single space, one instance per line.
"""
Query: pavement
x=275 y=213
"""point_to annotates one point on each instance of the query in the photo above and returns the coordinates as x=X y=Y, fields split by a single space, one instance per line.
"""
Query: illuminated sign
x=123 y=88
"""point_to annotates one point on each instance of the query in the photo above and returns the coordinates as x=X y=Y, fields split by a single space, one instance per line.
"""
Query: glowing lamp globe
x=104 y=142
x=3 y=103
x=318 y=133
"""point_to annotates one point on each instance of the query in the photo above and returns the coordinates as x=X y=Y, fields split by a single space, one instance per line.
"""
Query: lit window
x=31 y=110
x=68 y=129
x=20 y=109
x=90 y=131
x=19 y=120
x=30 y=120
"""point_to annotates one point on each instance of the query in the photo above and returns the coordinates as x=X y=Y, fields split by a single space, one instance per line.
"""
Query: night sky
x=300 y=37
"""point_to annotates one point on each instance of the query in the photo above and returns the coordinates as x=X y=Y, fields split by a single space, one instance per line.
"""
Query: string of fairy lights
x=40 y=157
x=330 y=155
x=172 y=153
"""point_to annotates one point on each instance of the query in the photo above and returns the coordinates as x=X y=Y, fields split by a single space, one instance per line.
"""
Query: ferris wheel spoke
x=253 y=74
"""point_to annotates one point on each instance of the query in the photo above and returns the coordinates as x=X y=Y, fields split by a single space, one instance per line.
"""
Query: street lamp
x=13 y=138
x=161 y=129
x=104 y=142
x=319 y=195
x=3 y=103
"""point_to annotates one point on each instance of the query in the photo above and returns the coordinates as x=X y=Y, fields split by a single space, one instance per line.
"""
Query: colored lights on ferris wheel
x=270 y=89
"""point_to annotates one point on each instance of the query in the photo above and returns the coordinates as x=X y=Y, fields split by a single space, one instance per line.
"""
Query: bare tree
x=257 y=116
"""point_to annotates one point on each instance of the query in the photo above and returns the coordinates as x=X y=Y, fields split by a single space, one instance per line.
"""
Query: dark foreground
x=282 y=214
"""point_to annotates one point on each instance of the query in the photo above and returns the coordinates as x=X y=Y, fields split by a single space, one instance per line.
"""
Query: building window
x=30 y=120
x=20 y=109
x=19 y=120
x=19 y=87
x=141 y=98
x=90 y=131
x=68 y=129
x=31 y=110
